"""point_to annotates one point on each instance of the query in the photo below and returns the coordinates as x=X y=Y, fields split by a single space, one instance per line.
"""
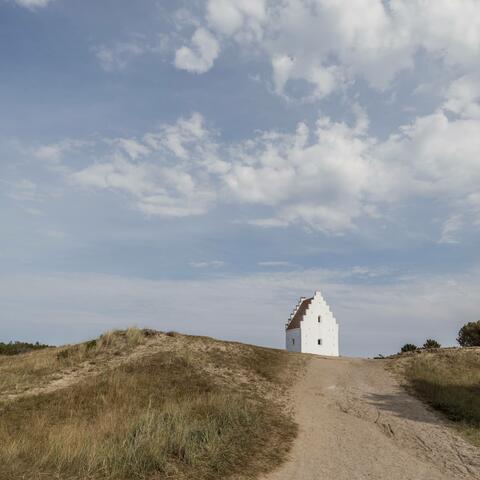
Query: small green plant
x=408 y=347
x=469 y=335
x=430 y=343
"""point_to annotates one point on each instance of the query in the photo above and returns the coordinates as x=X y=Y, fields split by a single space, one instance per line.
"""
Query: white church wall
x=293 y=340
x=312 y=330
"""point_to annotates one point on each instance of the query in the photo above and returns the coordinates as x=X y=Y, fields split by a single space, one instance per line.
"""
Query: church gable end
x=312 y=328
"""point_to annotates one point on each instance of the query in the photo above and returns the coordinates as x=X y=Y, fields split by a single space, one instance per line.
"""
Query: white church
x=312 y=328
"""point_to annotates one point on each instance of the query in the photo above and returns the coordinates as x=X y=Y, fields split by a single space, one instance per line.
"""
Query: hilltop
x=146 y=405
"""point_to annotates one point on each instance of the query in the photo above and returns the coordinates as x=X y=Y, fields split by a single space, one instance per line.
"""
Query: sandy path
x=357 y=423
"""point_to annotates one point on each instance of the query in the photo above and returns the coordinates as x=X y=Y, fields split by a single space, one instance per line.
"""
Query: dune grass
x=26 y=370
x=160 y=416
x=449 y=380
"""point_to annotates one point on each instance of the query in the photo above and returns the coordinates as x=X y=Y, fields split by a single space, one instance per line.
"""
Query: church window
x=319 y=341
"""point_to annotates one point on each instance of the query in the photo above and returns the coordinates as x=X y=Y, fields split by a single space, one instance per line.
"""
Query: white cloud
x=275 y=263
x=439 y=154
x=54 y=153
x=165 y=173
x=208 y=264
x=24 y=190
x=329 y=44
x=447 y=29
x=332 y=178
x=32 y=4
x=200 y=56
x=132 y=147
x=243 y=18
x=156 y=190
x=323 y=183
x=117 y=56
x=282 y=69
x=463 y=96
x=451 y=228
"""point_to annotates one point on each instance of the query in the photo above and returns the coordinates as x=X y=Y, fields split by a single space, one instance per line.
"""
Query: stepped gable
x=298 y=316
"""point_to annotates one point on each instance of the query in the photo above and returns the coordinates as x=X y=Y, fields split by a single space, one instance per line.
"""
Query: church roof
x=298 y=317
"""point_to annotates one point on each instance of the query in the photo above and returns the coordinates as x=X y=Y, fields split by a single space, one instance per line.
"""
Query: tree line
x=468 y=336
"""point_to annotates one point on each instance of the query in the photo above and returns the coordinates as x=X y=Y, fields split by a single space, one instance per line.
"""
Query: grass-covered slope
x=449 y=380
x=146 y=405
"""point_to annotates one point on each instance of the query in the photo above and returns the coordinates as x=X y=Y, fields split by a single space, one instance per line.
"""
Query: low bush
x=430 y=343
x=408 y=347
x=469 y=335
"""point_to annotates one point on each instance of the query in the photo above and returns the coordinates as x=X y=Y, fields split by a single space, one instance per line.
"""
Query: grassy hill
x=140 y=404
x=448 y=380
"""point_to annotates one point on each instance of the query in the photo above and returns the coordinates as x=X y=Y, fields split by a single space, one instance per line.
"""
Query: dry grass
x=25 y=370
x=22 y=372
x=449 y=380
x=164 y=415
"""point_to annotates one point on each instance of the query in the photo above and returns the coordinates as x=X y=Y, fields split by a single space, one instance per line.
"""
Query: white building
x=312 y=328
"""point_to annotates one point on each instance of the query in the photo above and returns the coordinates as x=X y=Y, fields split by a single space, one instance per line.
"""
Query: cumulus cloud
x=330 y=44
x=200 y=56
x=159 y=172
x=330 y=177
x=321 y=183
x=463 y=96
x=242 y=18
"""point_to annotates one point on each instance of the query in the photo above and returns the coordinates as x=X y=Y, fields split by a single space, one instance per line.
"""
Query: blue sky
x=197 y=166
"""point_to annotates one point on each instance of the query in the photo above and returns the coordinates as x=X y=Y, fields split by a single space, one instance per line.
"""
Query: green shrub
x=469 y=335
x=15 y=348
x=408 y=347
x=430 y=343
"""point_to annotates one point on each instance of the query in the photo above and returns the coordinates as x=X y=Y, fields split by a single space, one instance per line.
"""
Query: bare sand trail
x=356 y=422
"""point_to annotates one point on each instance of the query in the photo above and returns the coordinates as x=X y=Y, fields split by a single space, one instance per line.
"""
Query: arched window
x=319 y=318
